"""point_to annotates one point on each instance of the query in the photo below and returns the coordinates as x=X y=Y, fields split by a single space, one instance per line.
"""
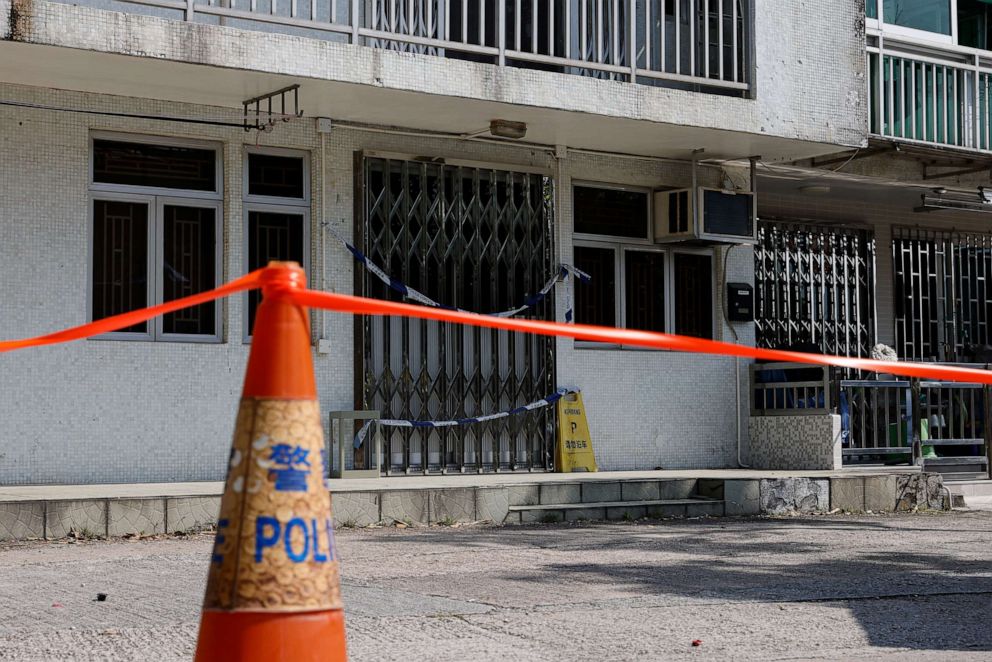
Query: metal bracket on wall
x=263 y=112
x=965 y=167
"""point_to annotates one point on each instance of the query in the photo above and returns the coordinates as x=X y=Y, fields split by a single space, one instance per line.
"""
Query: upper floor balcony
x=690 y=44
x=930 y=71
x=663 y=77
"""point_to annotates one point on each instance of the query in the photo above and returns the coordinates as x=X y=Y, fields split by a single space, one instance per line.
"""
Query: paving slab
x=742 y=497
x=643 y=490
x=847 y=494
x=83 y=516
x=592 y=492
x=454 y=505
x=409 y=506
x=355 y=508
x=22 y=520
x=492 y=504
x=135 y=516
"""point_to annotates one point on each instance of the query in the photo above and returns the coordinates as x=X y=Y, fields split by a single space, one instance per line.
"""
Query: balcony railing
x=691 y=44
x=936 y=95
x=891 y=421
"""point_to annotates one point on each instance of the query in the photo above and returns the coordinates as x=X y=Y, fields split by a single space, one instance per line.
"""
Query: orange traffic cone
x=273 y=592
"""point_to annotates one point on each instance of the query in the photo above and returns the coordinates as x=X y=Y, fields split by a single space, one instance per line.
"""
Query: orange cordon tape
x=359 y=305
x=247 y=282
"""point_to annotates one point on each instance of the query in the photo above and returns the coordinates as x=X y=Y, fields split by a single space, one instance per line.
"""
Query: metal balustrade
x=931 y=95
x=891 y=421
x=692 y=44
x=885 y=419
x=789 y=389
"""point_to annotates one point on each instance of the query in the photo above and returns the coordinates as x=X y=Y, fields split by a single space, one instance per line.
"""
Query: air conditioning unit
x=711 y=215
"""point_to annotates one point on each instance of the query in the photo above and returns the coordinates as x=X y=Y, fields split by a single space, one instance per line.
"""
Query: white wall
x=118 y=411
x=809 y=80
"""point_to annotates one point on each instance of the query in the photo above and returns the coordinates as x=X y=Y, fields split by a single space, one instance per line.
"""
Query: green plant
x=550 y=518
x=448 y=520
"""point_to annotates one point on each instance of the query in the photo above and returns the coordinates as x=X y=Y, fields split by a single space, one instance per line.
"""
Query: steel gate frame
x=815 y=283
x=945 y=274
x=431 y=238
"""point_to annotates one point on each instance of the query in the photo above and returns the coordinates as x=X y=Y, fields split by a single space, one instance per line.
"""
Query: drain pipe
x=737 y=360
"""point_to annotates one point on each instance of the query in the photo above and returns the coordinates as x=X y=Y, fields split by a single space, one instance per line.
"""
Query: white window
x=277 y=213
x=636 y=283
x=962 y=22
x=155 y=233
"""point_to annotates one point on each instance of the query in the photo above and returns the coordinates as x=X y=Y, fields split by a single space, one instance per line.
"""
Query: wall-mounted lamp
x=508 y=129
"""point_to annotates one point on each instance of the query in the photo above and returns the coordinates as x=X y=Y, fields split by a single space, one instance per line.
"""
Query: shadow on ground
x=910 y=581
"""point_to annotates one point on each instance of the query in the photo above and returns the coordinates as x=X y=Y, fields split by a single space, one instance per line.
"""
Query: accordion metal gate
x=942 y=306
x=815 y=287
x=477 y=239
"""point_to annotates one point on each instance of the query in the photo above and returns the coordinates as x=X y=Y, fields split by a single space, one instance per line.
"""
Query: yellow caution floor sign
x=574 y=449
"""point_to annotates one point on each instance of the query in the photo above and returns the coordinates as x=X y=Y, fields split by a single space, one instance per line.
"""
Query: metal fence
x=703 y=44
x=783 y=389
x=913 y=421
x=891 y=421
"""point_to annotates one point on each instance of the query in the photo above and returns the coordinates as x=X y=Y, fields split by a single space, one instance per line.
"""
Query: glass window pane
x=611 y=212
x=694 y=295
x=120 y=259
x=277 y=176
x=161 y=166
x=871 y=8
x=595 y=301
x=271 y=236
x=644 y=275
x=973 y=23
x=189 y=267
x=929 y=15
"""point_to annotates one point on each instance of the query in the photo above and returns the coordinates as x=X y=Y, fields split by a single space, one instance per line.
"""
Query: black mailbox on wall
x=740 y=302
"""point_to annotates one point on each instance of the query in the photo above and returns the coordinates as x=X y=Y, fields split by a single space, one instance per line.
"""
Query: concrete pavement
x=890 y=587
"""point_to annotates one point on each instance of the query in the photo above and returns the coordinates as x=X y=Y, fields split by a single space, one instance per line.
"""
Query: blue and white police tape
x=522 y=409
x=565 y=271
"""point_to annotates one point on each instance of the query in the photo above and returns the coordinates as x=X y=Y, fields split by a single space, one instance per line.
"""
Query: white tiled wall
x=115 y=411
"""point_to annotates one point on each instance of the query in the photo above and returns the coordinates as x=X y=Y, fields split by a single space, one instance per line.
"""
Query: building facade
x=902 y=226
x=142 y=161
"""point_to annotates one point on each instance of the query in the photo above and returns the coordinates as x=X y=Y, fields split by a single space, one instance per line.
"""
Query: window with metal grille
x=277 y=213
x=647 y=287
x=153 y=241
x=120 y=259
x=156 y=165
x=941 y=298
x=815 y=287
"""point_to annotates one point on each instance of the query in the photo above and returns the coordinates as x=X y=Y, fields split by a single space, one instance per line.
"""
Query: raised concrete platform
x=54 y=511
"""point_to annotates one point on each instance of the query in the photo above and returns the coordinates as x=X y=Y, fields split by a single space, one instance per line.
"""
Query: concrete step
x=970 y=487
x=616 y=510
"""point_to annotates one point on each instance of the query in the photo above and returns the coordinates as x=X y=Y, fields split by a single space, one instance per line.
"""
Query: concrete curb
x=112 y=517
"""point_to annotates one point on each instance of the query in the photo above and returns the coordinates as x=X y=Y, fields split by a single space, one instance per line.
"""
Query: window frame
x=648 y=239
x=157 y=198
x=623 y=245
x=149 y=200
x=272 y=204
x=142 y=139
x=248 y=197
x=218 y=207
x=915 y=34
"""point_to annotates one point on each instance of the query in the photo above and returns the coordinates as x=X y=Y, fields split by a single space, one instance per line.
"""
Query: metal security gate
x=942 y=307
x=815 y=288
x=480 y=240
